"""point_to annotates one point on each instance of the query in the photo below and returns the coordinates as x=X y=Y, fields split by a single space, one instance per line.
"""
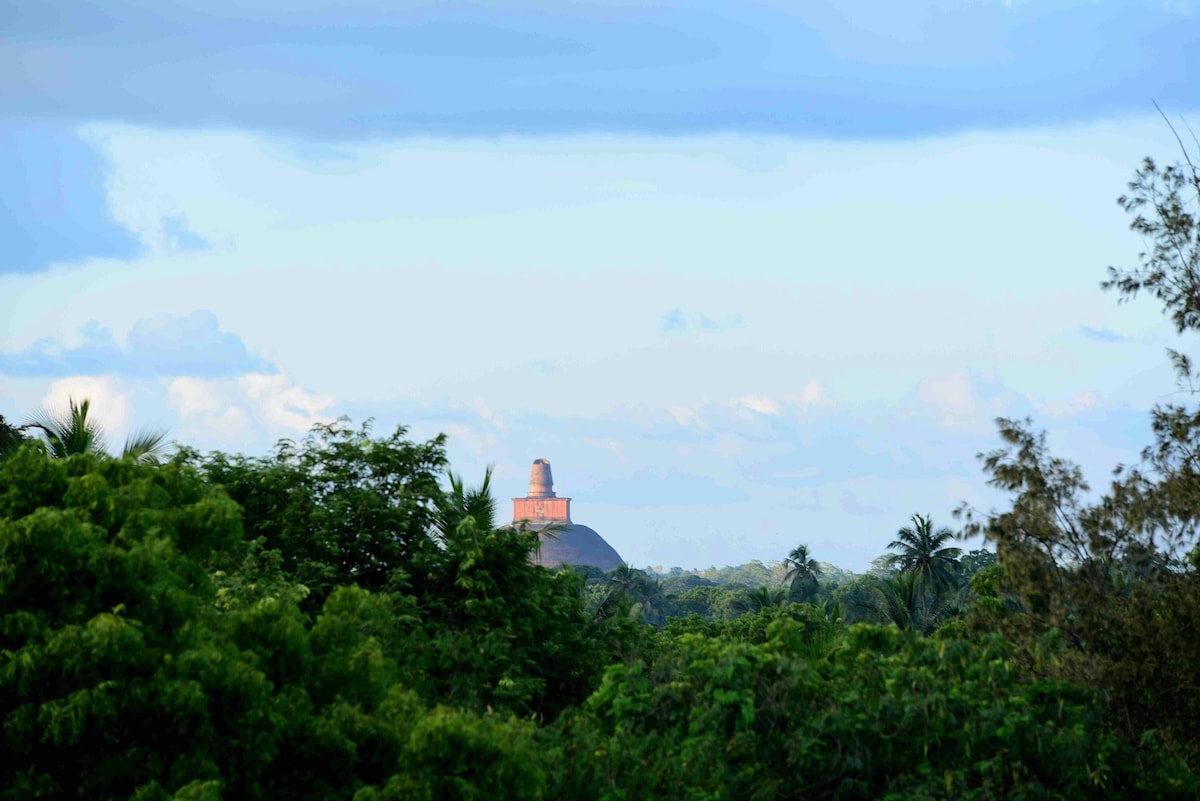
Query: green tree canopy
x=123 y=674
x=886 y=716
x=340 y=506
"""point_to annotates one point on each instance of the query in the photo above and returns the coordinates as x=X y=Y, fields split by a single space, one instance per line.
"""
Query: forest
x=343 y=618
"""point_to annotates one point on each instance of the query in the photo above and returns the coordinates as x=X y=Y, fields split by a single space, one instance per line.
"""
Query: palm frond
x=458 y=504
x=145 y=446
x=70 y=432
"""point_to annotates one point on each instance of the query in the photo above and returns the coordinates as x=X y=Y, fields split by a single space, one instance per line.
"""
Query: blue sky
x=749 y=275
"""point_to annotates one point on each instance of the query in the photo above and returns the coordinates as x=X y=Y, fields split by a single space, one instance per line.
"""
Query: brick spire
x=541 y=483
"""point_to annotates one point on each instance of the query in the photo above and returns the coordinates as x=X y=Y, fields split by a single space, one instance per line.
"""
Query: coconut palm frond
x=460 y=503
x=68 y=433
x=822 y=643
x=803 y=573
x=73 y=431
x=760 y=598
x=145 y=446
x=801 y=565
x=903 y=601
x=923 y=552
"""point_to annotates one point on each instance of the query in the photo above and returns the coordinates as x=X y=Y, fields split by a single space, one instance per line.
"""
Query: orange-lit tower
x=567 y=542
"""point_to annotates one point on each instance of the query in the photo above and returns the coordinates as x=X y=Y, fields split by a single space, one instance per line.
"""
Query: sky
x=749 y=275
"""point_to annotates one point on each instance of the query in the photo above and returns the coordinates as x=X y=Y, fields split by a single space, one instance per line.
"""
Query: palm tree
x=643 y=595
x=459 y=504
x=760 y=598
x=71 y=433
x=622 y=578
x=923 y=553
x=901 y=601
x=803 y=572
x=649 y=601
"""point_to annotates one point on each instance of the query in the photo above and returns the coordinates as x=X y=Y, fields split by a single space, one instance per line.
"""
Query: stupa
x=567 y=543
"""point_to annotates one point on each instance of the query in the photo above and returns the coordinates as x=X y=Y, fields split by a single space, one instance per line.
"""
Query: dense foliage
x=133 y=666
x=879 y=715
x=331 y=621
x=153 y=649
x=10 y=438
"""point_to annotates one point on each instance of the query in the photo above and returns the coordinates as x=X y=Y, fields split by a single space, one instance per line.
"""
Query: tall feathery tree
x=73 y=432
x=923 y=553
x=803 y=572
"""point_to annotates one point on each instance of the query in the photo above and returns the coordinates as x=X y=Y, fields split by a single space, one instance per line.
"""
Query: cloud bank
x=162 y=345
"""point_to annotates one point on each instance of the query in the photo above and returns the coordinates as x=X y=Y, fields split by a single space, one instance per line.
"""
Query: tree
x=710 y=602
x=636 y=591
x=460 y=503
x=901 y=600
x=1163 y=202
x=1091 y=573
x=1116 y=577
x=10 y=439
x=124 y=677
x=924 y=554
x=890 y=715
x=72 y=432
x=978 y=559
x=110 y=630
x=341 y=507
x=803 y=572
x=484 y=627
x=760 y=598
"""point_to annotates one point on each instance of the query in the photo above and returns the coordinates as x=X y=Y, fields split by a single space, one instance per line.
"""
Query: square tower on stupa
x=541 y=505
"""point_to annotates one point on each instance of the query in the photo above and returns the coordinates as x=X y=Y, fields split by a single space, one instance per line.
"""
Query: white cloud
x=193 y=396
x=971 y=400
x=207 y=406
x=283 y=404
x=238 y=409
x=810 y=396
x=761 y=404
x=685 y=415
x=964 y=400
